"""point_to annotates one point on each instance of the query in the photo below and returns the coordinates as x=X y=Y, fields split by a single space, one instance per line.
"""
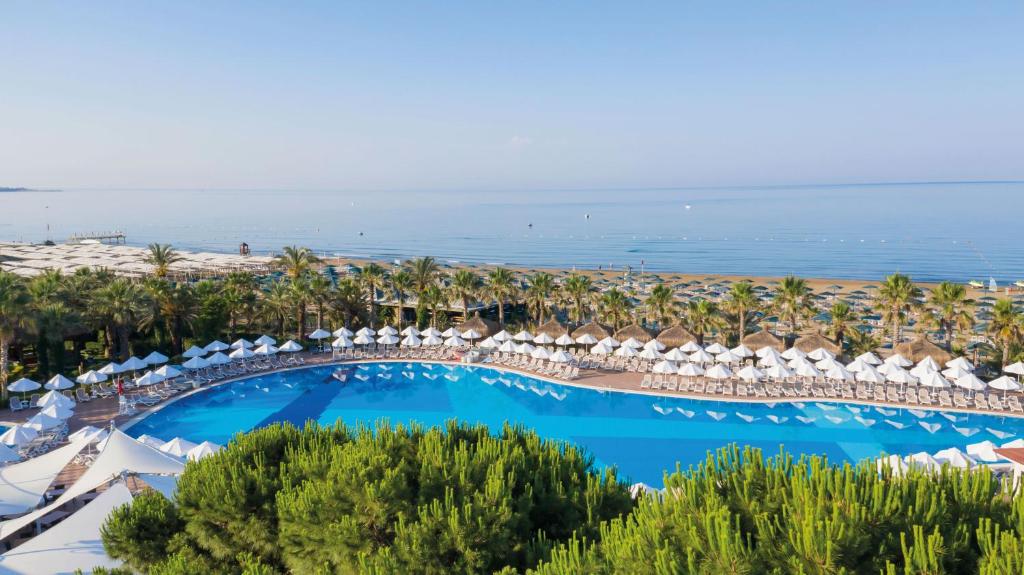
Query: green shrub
x=138 y=533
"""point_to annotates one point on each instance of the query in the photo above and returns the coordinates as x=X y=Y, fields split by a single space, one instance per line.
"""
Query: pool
x=642 y=435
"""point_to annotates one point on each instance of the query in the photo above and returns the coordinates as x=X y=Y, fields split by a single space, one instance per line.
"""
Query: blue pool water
x=642 y=435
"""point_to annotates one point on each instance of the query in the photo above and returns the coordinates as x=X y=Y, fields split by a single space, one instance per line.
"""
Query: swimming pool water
x=642 y=435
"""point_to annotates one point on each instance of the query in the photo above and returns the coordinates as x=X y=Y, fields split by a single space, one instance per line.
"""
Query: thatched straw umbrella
x=634 y=331
x=920 y=348
x=764 y=338
x=676 y=336
x=813 y=341
x=553 y=328
x=485 y=327
x=593 y=328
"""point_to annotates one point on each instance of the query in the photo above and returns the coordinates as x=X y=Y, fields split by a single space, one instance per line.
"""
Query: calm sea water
x=641 y=435
x=932 y=231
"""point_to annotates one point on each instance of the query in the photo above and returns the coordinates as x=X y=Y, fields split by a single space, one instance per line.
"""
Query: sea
x=933 y=231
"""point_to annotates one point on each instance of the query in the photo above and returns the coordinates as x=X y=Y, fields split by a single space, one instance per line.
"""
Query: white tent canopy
x=23 y=485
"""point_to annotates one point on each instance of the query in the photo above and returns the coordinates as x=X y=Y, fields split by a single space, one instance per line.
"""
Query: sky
x=511 y=96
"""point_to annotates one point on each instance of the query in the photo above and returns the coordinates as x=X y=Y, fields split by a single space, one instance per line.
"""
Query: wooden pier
x=102 y=237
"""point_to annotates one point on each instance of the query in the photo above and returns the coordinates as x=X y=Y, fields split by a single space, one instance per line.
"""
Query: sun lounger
x=17 y=405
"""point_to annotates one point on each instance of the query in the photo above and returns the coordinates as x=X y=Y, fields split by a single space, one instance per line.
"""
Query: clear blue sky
x=508 y=95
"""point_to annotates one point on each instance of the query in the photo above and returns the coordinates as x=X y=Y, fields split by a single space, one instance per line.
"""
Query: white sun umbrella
x=265 y=340
x=450 y=332
x=564 y=340
x=898 y=360
x=8 y=455
x=489 y=343
x=524 y=347
x=743 y=351
x=471 y=334
x=430 y=332
x=198 y=363
x=411 y=330
x=219 y=359
x=507 y=347
x=1015 y=368
x=194 y=351
x=869 y=358
x=151 y=378
x=839 y=373
x=240 y=353
x=24 y=384
x=934 y=380
x=923 y=460
x=799 y=362
x=18 y=435
x=665 y=366
x=87 y=433
x=764 y=351
x=690 y=370
x=820 y=354
x=1004 y=383
x=58 y=382
x=807 y=370
x=718 y=371
x=523 y=336
x=204 y=449
x=363 y=339
x=625 y=351
x=920 y=370
x=319 y=334
x=859 y=365
x=650 y=353
x=432 y=340
x=41 y=421
x=178 y=447
x=57 y=411
x=885 y=368
x=971 y=382
x=112 y=369
x=701 y=356
x=411 y=340
x=134 y=364
x=598 y=349
x=870 y=375
x=750 y=374
x=586 y=339
x=387 y=339
x=828 y=363
x=778 y=371
x=502 y=336
x=540 y=353
x=690 y=347
x=90 y=377
x=793 y=353
x=543 y=339
x=900 y=376
x=342 y=343
x=265 y=349
x=454 y=341
x=955 y=458
x=387 y=330
x=960 y=362
x=677 y=354
x=928 y=363
x=984 y=451
x=633 y=343
x=365 y=331
x=242 y=342
x=770 y=358
x=655 y=345
x=290 y=346
x=55 y=398
x=954 y=372
x=217 y=345
x=894 y=462
x=728 y=356
x=716 y=348
x=560 y=356
x=168 y=371
x=342 y=332
x=610 y=342
x=151 y=441
x=155 y=358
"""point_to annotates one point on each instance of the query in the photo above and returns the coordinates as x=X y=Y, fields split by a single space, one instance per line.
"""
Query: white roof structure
x=72 y=544
x=23 y=485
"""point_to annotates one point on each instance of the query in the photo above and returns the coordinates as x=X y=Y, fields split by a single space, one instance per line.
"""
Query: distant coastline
x=3 y=189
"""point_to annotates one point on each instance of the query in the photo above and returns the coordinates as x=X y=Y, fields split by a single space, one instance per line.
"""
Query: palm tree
x=434 y=300
x=401 y=283
x=897 y=297
x=424 y=273
x=661 y=305
x=501 y=287
x=348 y=302
x=1006 y=326
x=296 y=261
x=951 y=310
x=742 y=301
x=319 y=289
x=841 y=317
x=15 y=315
x=276 y=304
x=161 y=256
x=614 y=307
x=372 y=276
x=703 y=317
x=300 y=296
x=239 y=292
x=792 y=302
x=53 y=319
x=179 y=307
x=465 y=285
x=537 y=294
x=862 y=341
x=121 y=303
x=576 y=291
